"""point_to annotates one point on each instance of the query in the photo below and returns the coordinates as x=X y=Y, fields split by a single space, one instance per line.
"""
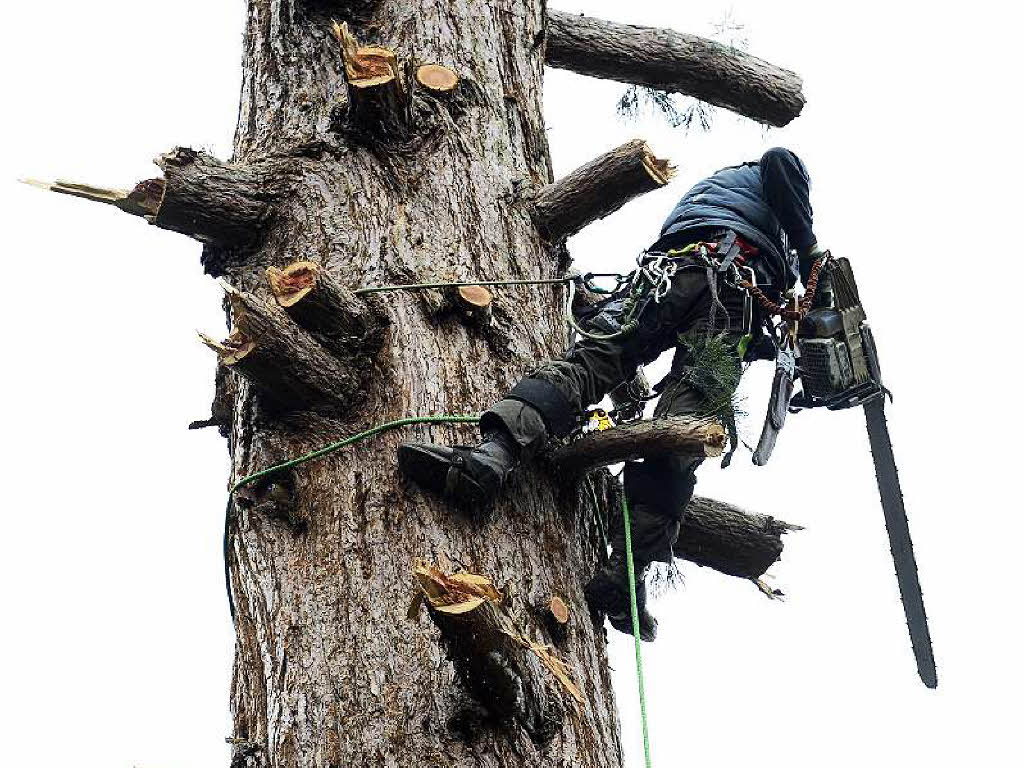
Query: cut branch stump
x=642 y=439
x=514 y=678
x=318 y=302
x=597 y=189
x=280 y=358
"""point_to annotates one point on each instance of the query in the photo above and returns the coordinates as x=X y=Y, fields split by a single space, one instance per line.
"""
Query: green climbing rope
x=352 y=440
x=636 y=628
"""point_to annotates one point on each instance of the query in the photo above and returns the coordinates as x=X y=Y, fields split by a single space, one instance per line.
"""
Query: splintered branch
x=657 y=437
x=280 y=358
x=674 y=62
x=141 y=201
x=515 y=679
x=730 y=540
x=213 y=202
x=714 y=534
x=598 y=188
x=377 y=98
x=199 y=196
x=315 y=299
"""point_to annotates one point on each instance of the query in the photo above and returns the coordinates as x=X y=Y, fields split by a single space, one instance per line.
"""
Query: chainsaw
x=831 y=350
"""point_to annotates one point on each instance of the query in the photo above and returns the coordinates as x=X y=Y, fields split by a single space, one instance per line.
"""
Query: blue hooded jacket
x=766 y=202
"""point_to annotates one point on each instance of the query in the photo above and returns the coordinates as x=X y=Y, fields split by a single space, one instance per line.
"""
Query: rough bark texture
x=328 y=669
x=675 y=62
x=316 y=300
x=639 y=440
x=212 y=201
x=598 y=188
x=283 y=361
x=730 y=540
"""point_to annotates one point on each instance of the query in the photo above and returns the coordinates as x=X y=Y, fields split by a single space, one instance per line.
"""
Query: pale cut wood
x=474 y=302
x=558 y=609
x=674 y=62
x=436 y=77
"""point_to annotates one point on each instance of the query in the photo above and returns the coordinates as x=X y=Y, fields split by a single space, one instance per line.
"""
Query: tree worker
x=758 y=215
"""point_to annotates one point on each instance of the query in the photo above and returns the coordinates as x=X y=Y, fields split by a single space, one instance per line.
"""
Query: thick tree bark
x=730 y=540
x=674 y=62
x=328 y=669
x=393 y=148
x=598 y=188
x=220 y=204
x=639 y=440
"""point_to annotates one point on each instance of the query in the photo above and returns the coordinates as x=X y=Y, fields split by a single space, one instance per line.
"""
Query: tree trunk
x=405 y=144
x=408 y=183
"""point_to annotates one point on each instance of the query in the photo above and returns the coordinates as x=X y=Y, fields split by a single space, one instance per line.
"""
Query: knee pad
x=557 y=411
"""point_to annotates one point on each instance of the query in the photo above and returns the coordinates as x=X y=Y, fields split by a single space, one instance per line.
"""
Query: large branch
x=280 y=358
x=649 y=438
x=730 y=540
x=218 y=203
x=674 y=62
x=213 y=202
x=715 y=534
x=598 y=188
x=313 y=298
x=514 y=678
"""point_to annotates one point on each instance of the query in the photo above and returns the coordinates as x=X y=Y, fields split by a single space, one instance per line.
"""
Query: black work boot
x=471 y=477
x=608 y=593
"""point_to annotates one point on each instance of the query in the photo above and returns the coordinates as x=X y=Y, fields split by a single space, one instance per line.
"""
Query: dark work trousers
x=661 y=488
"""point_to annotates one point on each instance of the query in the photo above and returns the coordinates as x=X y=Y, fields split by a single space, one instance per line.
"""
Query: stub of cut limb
x=626 y=442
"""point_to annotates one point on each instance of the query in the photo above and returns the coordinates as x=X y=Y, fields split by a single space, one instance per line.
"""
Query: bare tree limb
x=730 y=540
x=199 y=196
x=514 y=678
x=598 y=188
x=714 y=534
x=642 y=439
x=675 y=62
x=280 y=358
x=318 y=302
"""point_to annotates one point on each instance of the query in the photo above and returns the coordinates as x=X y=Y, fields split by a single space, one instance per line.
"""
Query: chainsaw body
x=837 y=361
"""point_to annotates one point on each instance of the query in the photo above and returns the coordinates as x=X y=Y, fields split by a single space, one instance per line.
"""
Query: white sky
x=116 y=643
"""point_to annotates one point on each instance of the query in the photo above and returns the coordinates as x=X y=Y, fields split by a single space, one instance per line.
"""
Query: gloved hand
x=807 y=259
